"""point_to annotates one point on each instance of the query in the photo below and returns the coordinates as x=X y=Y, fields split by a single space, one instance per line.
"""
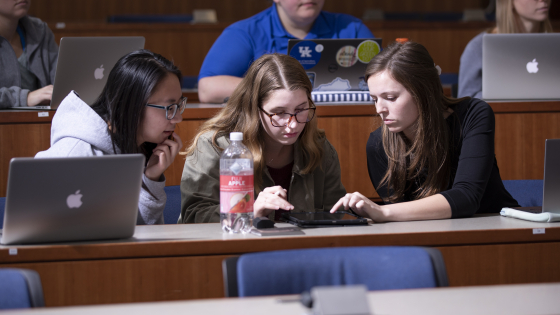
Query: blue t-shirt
x=245 y=41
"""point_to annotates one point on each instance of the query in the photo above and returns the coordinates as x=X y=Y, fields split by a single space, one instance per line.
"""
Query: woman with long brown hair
x=512 y=16
x=433 y=157
x=295 y=166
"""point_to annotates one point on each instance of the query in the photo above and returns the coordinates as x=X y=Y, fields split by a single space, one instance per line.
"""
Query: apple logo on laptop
x=74 y=200
x=98 y=74
x=532 y=66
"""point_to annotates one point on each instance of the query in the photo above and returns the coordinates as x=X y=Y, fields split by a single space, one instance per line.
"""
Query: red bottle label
x=236 y=194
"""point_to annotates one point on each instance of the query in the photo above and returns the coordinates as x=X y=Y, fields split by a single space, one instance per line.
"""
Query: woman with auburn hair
x=295 y=166
x=433 y=157
x=512 y=16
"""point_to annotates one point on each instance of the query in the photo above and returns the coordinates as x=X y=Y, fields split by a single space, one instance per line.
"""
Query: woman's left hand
x=362 y=206
x=163 y=155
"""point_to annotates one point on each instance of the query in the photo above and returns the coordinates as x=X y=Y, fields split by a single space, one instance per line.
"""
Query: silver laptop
x=335 y=64
x=551 y=179
x=521 y=66
x=84 y=64
x=72 y=199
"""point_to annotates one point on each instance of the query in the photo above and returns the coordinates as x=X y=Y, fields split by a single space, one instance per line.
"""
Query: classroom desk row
x=512 y=299
x=521 y=130
x=183 y=262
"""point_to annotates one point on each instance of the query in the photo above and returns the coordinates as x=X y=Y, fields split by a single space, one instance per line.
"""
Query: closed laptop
x=72 y=199
x=521 y=66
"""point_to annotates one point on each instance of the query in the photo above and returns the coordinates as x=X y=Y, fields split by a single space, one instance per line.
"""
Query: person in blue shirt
x=268 y=32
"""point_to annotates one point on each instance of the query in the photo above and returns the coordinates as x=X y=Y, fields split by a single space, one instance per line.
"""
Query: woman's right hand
x=40 y=96
x=270 y=199
x=362 y=206
x=162 y=157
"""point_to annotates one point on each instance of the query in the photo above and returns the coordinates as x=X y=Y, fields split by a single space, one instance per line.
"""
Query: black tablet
x=323 y=219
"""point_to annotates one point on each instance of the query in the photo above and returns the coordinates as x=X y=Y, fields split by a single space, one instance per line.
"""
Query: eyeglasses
x=172 y=109
x=282 y=120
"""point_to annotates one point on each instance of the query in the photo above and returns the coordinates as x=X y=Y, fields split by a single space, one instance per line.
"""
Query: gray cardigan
x=470 y=71
x=42 y=57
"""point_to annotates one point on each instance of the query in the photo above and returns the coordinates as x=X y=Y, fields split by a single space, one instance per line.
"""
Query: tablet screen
x=319 y=216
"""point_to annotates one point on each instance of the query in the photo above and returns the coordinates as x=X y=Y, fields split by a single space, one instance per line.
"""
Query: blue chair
x=20 y=288
x=296 y=271
x=173 y=206
x=527 y=192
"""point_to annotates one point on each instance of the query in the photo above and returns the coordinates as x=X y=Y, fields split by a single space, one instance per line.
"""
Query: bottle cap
x=236 y=136
x=401 y=40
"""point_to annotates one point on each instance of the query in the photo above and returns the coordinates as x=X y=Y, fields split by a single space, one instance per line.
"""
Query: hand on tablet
x=270 y=199
x=362 y=206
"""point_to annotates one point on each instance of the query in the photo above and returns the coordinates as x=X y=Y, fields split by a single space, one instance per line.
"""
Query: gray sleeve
x=13 y=96
x=470 y=70
x=200 y=185
x=150 y=206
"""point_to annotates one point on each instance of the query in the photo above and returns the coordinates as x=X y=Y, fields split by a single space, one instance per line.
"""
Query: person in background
x=512 y=16
x=268 y=32
x=137 y=112
x=433 y=157
x=28 y=57
x=295 y=166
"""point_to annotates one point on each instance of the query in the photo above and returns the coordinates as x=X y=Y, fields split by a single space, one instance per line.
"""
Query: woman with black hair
x=136 y=112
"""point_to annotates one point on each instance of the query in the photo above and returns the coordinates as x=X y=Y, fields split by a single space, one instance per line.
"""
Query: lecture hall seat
x=20 y=288
x=527 y=192
x=296 y=271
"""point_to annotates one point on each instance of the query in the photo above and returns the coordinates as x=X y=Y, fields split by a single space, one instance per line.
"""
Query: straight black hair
x=125 y=95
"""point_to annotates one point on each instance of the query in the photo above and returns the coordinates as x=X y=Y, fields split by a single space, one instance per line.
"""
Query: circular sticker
x=306 y=53
x=346 y=56
x=367 y=50
x=319 y=48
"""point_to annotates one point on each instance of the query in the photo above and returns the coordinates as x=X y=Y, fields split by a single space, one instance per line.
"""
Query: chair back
x=20 y=288
x=527 y=192
x=173 y=205
x=295 y=271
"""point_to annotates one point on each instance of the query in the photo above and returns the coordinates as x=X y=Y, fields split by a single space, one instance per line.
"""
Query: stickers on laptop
x=346 y=56
x=367 y=50
x=307 y=53
x=337 y=84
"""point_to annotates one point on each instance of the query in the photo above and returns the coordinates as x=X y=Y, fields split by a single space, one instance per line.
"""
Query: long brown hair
x=269 y=73
x=508 y=20
x=428 y=154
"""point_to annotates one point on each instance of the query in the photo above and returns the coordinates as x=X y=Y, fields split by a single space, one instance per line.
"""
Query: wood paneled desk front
x=521 y=128
x=510 y=299
x=181 y=262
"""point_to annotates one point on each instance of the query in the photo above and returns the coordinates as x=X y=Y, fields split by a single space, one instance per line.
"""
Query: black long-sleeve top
x=475 y=185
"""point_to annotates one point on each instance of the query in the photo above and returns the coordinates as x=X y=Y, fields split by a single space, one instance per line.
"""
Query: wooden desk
x=521 y=128
x=175 y=262
x=510 y=299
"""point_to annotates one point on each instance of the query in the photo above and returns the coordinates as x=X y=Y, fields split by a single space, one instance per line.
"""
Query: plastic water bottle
x=236 y=186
